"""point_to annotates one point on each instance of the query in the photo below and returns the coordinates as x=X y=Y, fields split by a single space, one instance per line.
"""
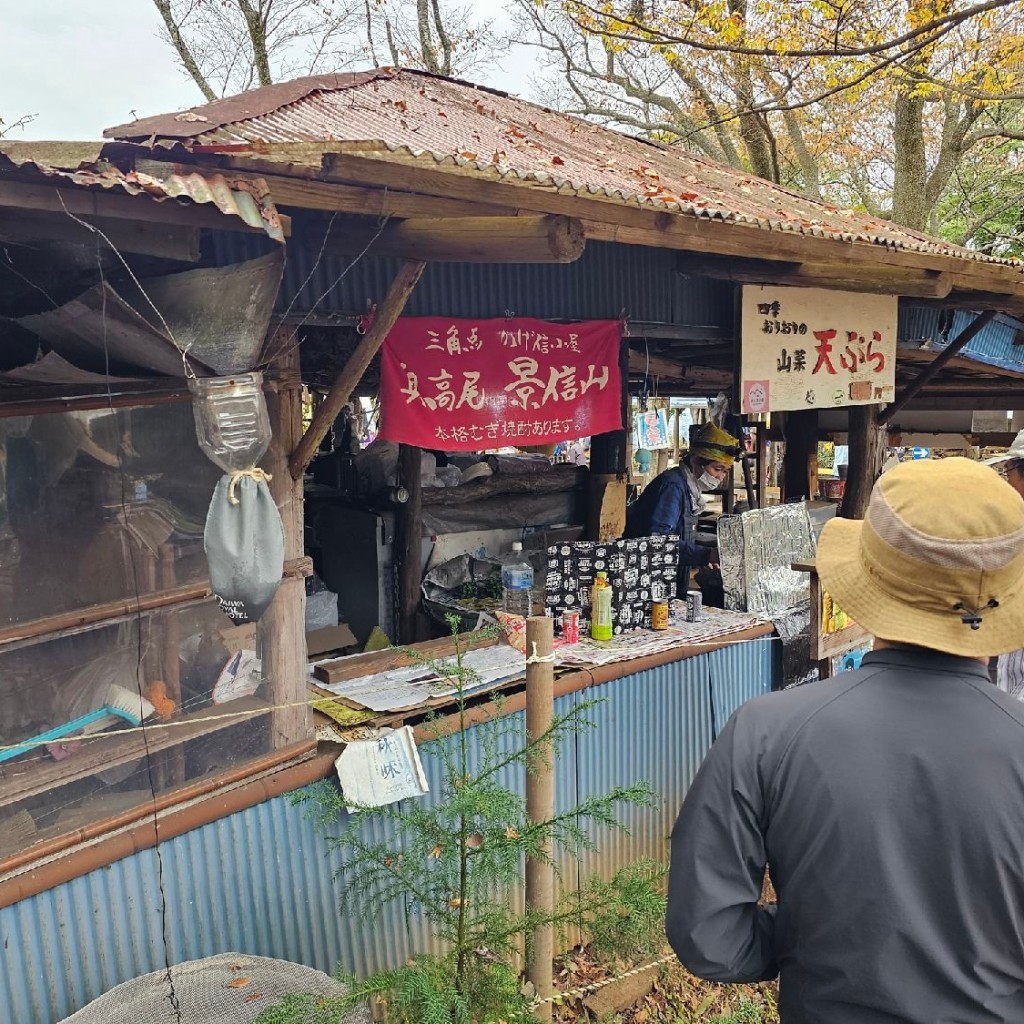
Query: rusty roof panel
x=188 y=124
x=445 y=122
x=247 y=199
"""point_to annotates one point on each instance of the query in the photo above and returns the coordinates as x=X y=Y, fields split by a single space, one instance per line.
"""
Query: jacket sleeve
x=671 y=507
x=718 y=860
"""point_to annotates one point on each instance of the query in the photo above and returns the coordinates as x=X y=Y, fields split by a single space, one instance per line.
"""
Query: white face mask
x=707 y=482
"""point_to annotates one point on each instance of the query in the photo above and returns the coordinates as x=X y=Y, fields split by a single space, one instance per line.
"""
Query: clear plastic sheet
x=208 y=711
x=100 y=505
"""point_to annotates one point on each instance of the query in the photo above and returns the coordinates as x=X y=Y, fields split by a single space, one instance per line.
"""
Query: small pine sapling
x=458 y=860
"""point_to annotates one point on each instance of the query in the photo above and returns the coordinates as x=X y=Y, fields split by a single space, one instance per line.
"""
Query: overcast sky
x=84 y=65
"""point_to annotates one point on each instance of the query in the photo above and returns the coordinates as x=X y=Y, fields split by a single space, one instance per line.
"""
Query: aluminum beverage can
x=659 y=615
x=570 y=627
x=694 y=605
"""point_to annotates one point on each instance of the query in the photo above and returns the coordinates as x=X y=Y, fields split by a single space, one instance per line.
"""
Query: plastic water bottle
x=231 y=419
x=517 y=583
x=601 y=608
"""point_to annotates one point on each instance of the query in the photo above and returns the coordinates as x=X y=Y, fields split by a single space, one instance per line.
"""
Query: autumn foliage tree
x=908 y=109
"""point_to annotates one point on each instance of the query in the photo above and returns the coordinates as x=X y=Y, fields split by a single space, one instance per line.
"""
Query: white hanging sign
x=812 y=348
x=381 y=771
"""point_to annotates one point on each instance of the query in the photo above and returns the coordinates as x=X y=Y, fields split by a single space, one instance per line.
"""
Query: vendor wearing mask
x=673 y=501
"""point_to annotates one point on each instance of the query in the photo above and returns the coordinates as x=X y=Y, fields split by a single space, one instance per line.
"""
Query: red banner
x=467 y=385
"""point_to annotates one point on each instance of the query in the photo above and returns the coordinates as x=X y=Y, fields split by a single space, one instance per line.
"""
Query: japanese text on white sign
x=808 y=348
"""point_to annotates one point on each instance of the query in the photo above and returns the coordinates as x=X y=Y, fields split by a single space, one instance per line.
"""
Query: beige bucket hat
x=938 y=561
x=1015 y=451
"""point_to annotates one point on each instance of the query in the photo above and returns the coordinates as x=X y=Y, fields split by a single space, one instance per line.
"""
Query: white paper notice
x=381 y=771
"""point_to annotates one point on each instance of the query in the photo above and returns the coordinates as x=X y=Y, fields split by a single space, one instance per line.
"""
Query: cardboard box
x=330 y=638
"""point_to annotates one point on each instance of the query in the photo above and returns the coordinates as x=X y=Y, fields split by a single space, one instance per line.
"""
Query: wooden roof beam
x=610 y=220
x=948 y=403
x=656 y=366
x=931 y=284
x=979 y=300
x=166 y=241
x=309 y=194
x=544 y=239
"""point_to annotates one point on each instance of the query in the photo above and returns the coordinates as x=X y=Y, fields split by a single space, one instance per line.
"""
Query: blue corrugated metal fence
x=261 y=881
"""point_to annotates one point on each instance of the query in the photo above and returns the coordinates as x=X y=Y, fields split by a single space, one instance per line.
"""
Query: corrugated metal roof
x=248 y=199
x=441 y=121
x=993 y=346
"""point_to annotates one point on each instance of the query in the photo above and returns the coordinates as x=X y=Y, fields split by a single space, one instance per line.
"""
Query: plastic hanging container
x=231 y=419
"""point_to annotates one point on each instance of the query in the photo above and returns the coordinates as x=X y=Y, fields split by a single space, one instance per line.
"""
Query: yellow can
x=659 y=615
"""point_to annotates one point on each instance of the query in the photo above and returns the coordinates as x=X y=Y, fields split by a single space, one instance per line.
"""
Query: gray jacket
x=889 y=805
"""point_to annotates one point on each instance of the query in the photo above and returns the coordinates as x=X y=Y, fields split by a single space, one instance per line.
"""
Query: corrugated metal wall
x=993 y=344
x=261 y=881
x=607 y=280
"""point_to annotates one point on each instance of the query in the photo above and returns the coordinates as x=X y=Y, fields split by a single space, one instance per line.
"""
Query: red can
x=570 y=627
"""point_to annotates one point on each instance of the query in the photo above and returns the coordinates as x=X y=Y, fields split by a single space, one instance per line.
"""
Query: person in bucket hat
x=673 y=501
x=1009 y=673
x=887 y=802
x=1011 y=461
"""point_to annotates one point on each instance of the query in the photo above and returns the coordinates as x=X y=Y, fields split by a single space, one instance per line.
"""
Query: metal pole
x=540 y=803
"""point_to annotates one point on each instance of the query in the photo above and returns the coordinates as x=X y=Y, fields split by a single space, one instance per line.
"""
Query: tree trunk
x=256 y=26
x=909 y=202
x=427 y=51
x=188 y=61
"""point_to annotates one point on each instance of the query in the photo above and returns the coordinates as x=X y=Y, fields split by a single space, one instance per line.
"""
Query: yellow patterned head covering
x=716 y=445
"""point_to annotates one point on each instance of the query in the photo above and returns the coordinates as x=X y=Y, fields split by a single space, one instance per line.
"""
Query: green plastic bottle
x=601 y=608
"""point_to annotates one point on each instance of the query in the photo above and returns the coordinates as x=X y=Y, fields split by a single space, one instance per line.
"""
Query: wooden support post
x=606 y=515
x=867 y=441
x=540 y=804
x=282 y=630
x=661 y=463
x=609 y=455
x=410 y=542
x=801 y=447
x=748 y=482
x=171 y=655
x=675 y=436
x=762 y=465
x=341 y=391
x=978 y=324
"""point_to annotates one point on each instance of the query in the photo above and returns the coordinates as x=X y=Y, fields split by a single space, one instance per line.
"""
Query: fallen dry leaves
x=677 y=997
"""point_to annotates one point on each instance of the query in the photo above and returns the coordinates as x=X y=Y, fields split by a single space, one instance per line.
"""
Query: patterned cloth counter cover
x=640 y=570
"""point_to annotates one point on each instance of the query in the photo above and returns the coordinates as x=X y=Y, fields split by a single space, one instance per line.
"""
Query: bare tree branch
x=184 y=51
